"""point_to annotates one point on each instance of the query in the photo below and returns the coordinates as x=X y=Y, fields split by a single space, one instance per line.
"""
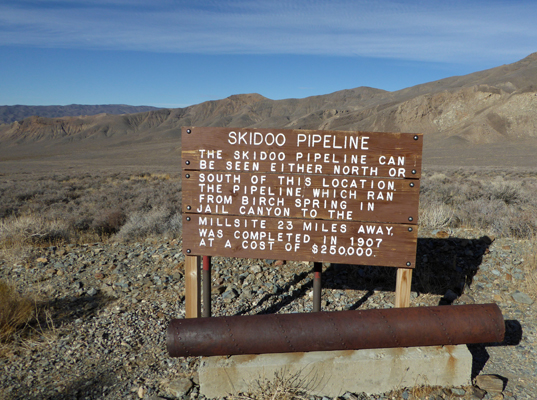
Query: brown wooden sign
x=349 y=197
x=301 y=196
x=369 y=154
x=301 y=240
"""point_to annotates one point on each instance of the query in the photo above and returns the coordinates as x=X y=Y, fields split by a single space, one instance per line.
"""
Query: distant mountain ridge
x=10 y=114
x=493 y=106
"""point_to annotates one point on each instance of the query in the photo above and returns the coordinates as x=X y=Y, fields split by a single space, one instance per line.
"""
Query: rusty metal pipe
x=343 y=330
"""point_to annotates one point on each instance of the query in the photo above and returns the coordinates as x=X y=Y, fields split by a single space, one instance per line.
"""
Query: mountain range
x=494 y=110
x=10 y=114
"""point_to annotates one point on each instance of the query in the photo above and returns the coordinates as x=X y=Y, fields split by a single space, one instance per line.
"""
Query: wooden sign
x=348 y=197
x=361 y=243
x=301 y=196
x=369 y=154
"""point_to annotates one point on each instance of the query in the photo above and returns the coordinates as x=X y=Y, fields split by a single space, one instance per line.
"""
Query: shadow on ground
x=442 y=265
x=67 y=309
x=480 y=355
x=93 y=387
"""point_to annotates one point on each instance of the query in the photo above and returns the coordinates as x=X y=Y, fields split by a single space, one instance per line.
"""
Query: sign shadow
x=444 y=266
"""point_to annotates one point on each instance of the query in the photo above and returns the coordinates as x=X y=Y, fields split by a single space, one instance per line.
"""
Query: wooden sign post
x=322 y=196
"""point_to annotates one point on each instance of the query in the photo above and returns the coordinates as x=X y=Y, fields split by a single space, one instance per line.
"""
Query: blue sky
x=176 y=53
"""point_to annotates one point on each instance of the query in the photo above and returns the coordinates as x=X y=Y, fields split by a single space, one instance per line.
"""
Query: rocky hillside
x=109 y=306
x=489 y=106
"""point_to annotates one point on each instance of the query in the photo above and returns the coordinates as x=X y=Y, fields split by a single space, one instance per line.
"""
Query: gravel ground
x=107 y=306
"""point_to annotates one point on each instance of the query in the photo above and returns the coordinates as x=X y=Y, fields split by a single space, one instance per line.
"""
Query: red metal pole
x=206 y=286
x=317 y=274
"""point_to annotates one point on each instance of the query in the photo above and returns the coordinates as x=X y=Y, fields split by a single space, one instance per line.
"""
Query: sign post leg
x=317 y=274
x=402 y=287
x=206 y=286
x=192 y=287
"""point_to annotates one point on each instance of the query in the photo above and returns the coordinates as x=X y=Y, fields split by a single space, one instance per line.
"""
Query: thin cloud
x=416 y=30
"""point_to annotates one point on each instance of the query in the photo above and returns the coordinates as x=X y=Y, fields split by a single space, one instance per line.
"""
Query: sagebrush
x=48 y=208
x=16 y=311
x=68 y=208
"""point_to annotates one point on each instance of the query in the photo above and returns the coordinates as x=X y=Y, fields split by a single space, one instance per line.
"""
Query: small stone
x=466 y=299
x=92 y=292
x=522 y=298
x=490 y=383
x=229 y=295
x=279 y=262
x=255 y=269
x=218 y=289
x=42 y=260
x=123 y=285
x=60 y=272
x=442 y=234
x=99 y=275
x=450 y=295
x=518 y=276
x=478 y=393
x=458 y=392
x=179 y=387
x=141 y=392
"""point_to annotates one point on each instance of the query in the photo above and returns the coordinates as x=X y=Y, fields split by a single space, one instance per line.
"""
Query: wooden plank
x=301 y=240
x=322 y=196
x=378 y=154
x=301 y=196
x=192 y=287
x=402 y=287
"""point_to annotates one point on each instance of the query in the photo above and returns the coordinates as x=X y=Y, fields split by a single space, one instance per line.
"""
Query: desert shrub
x=155 y=222
x=283 y=386
x=80 y=206
x=33 y=229
x=109 y=223
x=435 y=215
x=496 y=202
x=508 y=192
x=15 y=311
x=86 y=205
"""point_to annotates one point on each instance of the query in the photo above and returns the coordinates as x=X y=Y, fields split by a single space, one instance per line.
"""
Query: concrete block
x=332 y=373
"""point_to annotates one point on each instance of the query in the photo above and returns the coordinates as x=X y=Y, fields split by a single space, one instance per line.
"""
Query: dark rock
x=450 y=296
